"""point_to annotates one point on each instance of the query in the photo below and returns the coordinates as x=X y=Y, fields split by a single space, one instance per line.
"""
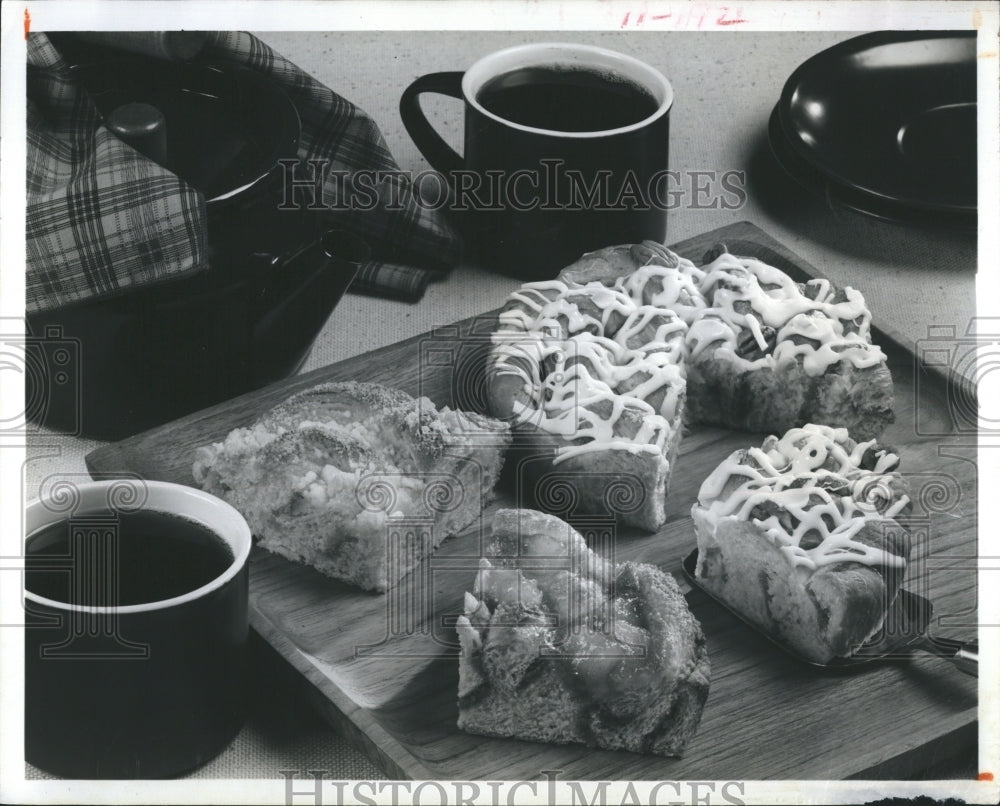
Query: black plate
x=843 y=196
x=891 y=115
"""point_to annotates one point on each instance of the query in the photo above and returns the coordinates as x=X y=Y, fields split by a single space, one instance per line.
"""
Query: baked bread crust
x=598 y=369
x=769 y=354
x=323 y=476
x=592 y=653
x=801 y=537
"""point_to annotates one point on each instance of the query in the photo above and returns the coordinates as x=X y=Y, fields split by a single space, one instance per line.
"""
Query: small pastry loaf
x=800 y=537
x=578 y=651
x=769 y=354
x=323 y=477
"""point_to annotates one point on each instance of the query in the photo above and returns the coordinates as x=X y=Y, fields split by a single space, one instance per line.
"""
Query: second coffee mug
x=136 y=628
x=566 y=151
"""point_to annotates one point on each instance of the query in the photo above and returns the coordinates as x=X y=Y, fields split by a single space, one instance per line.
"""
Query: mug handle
x=438 y=153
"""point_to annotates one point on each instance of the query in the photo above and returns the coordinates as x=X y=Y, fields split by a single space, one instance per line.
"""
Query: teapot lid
x=225 y=126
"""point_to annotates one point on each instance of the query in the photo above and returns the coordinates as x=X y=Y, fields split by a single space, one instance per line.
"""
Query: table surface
x=725 y=87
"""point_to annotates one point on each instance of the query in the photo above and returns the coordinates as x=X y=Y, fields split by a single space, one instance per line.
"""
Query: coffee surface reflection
x=123 y=558
x=567 y=99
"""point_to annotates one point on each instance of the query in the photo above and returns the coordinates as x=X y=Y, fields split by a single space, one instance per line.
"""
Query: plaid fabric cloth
x=101 y=218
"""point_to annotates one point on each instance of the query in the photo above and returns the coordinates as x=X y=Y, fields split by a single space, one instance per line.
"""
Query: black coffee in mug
x=123 y=558
x=569 y=99
x=565 y=152
x=136 y=628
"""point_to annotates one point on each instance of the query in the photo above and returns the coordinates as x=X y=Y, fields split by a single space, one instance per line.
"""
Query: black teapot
x=111 y=367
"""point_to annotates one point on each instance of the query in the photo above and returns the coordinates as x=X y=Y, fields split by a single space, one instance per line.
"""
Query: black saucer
x=844 y=196
x=885 y=123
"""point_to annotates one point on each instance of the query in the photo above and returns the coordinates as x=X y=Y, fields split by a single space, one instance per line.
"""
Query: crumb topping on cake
x=321 y=476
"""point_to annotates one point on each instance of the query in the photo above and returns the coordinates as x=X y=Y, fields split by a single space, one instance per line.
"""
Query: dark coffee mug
x=136 y=629
x=566 y=151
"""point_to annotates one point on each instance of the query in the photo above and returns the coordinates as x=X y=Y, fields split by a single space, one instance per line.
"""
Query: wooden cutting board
x=387 y=674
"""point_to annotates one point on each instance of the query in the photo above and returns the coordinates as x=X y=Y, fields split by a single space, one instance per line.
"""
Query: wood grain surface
x=383 y=668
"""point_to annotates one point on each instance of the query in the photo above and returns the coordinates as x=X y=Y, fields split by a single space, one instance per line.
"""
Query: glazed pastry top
x=596 y=365
x=759 y=313
x=812 y=492
x=599 y=354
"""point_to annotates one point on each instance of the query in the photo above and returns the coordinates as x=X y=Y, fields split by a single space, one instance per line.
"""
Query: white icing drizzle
x=668 y=288
x=711 y=330
x=591 y=357
x=601 y=366
x=597 y=393
x=808 y=483
x=746 y=293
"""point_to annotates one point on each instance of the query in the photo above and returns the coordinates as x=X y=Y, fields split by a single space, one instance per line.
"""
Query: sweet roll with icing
x=801 y=537
x=598 y=369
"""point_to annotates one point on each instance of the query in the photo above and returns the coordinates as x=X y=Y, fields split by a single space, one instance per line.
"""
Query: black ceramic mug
x=136 y=628
x=566 y=151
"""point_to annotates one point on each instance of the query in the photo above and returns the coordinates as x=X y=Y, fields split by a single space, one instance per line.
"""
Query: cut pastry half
x=802 y=537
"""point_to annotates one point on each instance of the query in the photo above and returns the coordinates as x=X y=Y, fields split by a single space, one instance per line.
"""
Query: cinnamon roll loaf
x=800 y=536
x=598 y=370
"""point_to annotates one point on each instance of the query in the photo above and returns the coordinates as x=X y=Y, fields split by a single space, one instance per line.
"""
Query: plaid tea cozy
x=101 y=218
